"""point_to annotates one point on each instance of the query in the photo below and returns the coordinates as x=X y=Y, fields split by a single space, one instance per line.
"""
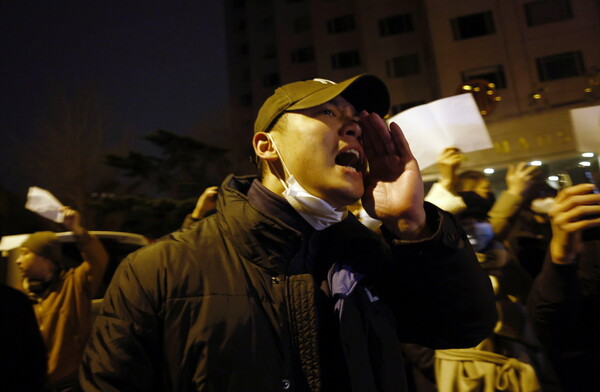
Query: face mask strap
x=285 y=169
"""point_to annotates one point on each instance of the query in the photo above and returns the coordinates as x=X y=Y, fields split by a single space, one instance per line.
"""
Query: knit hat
x=364 y=92
x=44 y=243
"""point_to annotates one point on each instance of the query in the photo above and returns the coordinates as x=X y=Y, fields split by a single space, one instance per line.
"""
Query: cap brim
x=364 y=92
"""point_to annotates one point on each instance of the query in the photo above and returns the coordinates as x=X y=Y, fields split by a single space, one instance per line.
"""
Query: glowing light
x=585 y=163
x=535 y=163
x=484 y=112
x=588 y=155
x=476 y=89
x=491 y=85
x=498 y=99
x=588 y=90
x=467 y=87
x=490 y=92
x=553 y=178
x=537 y=96
x=488 y=170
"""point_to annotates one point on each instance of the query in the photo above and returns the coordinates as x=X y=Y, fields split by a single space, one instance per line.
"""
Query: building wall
x=441 y=59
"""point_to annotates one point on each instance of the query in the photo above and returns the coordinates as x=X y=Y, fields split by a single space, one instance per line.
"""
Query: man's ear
x=263 y=147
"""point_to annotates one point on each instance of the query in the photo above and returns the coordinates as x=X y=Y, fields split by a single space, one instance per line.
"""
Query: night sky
x=154 y=64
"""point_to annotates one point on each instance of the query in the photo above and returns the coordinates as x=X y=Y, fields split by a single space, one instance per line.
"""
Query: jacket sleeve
x=441 y=296
x=444 y=199
x=123 y=351
x=503 y=214
x=95 y=261
x=555 y=302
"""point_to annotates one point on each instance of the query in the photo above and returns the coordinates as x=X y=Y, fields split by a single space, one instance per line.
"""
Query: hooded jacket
x=218 y=306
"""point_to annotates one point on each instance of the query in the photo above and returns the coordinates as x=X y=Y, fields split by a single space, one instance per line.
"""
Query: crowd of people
x=329 y=270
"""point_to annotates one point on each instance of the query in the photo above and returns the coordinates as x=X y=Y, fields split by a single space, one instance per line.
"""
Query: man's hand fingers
x=401 y=144
x=580 y=189
x=377 y=134
x=579 y=224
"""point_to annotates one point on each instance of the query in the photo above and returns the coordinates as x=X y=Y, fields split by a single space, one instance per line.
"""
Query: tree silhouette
x=156 y=192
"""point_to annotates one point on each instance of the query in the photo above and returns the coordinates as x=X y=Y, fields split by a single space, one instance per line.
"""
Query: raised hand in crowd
x=520 y=177
x=206 y=202
x=575 y=209
x=72 y=220
x=448 y=163
x=394 y=188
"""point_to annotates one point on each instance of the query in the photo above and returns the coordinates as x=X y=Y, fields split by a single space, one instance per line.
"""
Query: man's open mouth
x=350 y=158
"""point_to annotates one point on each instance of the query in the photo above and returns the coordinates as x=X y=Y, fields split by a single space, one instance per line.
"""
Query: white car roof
x=9 y=242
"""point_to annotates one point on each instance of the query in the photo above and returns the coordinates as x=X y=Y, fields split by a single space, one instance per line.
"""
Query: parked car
x=117 y=244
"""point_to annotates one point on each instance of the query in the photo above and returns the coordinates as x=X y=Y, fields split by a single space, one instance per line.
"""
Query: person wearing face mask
x=451 y=190
x=531 y=233
x=284 y=289
x=514 y=337
x=495 y=258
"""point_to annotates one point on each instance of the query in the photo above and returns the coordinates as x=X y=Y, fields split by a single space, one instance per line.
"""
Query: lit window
x=403 y=66
x=471 y=26
x=547 y=11
x=346 y=59
x=560 y=66
x=341 y=24
x=396 y=24
x=493 y=74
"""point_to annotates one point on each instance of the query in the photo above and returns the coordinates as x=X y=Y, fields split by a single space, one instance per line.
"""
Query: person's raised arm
x=206 y=202
x=575 y=209
x=443 y=193
x=519 y=180
x=394 y=190
x=448 y=163
x=94 y=254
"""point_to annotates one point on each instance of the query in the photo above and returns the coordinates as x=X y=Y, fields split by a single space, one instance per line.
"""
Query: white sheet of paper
x=448 y=122
x=44 y=203
x=586 y=128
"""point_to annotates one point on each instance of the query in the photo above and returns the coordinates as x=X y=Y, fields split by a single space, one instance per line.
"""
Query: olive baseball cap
x=364 y=92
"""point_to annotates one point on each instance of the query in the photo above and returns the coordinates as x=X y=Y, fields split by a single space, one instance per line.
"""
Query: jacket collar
x=256 y=235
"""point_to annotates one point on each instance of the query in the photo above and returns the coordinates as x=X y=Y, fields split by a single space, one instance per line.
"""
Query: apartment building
x=541 y=57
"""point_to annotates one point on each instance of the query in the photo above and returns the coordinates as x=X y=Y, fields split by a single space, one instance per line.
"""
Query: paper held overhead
x=449 y=122
x=586 y=128
x=44 y=203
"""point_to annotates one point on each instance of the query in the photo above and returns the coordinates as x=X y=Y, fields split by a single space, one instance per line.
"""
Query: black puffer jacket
x=213 y=308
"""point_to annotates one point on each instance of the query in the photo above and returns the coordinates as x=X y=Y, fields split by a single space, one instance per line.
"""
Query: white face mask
x=317 y=212
x=480 y=235
x=542 y=206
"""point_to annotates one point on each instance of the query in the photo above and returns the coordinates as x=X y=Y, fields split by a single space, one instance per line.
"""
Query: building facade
x=542 y=58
